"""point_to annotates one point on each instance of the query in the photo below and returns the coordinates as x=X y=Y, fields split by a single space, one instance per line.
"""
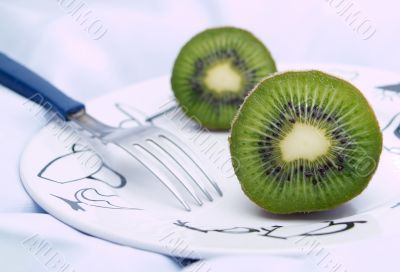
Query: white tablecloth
x=141 y=42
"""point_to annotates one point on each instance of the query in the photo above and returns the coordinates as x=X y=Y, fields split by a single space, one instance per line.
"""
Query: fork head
x=162 y=152
x=164 y=155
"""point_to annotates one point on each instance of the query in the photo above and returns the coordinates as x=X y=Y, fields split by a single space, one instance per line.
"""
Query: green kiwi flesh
x=304 y=141
x=215 y=70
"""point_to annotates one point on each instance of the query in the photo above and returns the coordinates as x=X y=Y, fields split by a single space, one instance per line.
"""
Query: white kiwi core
x=222 y=77
x=304 y=141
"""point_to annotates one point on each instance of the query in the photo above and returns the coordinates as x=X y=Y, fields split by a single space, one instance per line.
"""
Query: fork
x=155 y=148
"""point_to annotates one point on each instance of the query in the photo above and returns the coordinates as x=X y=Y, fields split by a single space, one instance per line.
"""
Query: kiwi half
x=215 y=70
x=304 y=141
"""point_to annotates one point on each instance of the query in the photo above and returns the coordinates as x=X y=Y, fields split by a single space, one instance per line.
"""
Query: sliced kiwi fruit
x=215 y=70
x=304 y=141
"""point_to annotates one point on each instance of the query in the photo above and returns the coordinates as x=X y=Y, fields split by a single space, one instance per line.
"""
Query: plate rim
x=201 y=251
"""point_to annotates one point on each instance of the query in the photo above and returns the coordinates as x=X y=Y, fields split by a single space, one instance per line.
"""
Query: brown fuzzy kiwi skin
x=236 y=162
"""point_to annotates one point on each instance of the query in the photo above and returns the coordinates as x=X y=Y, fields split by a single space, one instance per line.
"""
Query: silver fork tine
x=191 y=155
x=158 y=174
x=158 y=154
x=165 y=143
x=198 y=183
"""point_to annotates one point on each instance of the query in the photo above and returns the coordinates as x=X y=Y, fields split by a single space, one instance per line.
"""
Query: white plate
x=121 y=202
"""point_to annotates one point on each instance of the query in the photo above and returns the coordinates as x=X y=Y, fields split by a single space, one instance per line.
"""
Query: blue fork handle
x=23 y=81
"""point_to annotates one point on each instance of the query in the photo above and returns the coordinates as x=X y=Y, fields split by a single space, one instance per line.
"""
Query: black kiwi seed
x=199 y=64
x=297 y=111
x=308 y=173
x=322 y=171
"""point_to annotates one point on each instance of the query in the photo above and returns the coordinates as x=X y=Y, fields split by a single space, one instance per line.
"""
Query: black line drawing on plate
x=327 y=228
x=135 y=116
x=390 y=91
x=92 y=197
x=166 y=111
x=392 y=135
x=395 y=205
x=54 y=171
